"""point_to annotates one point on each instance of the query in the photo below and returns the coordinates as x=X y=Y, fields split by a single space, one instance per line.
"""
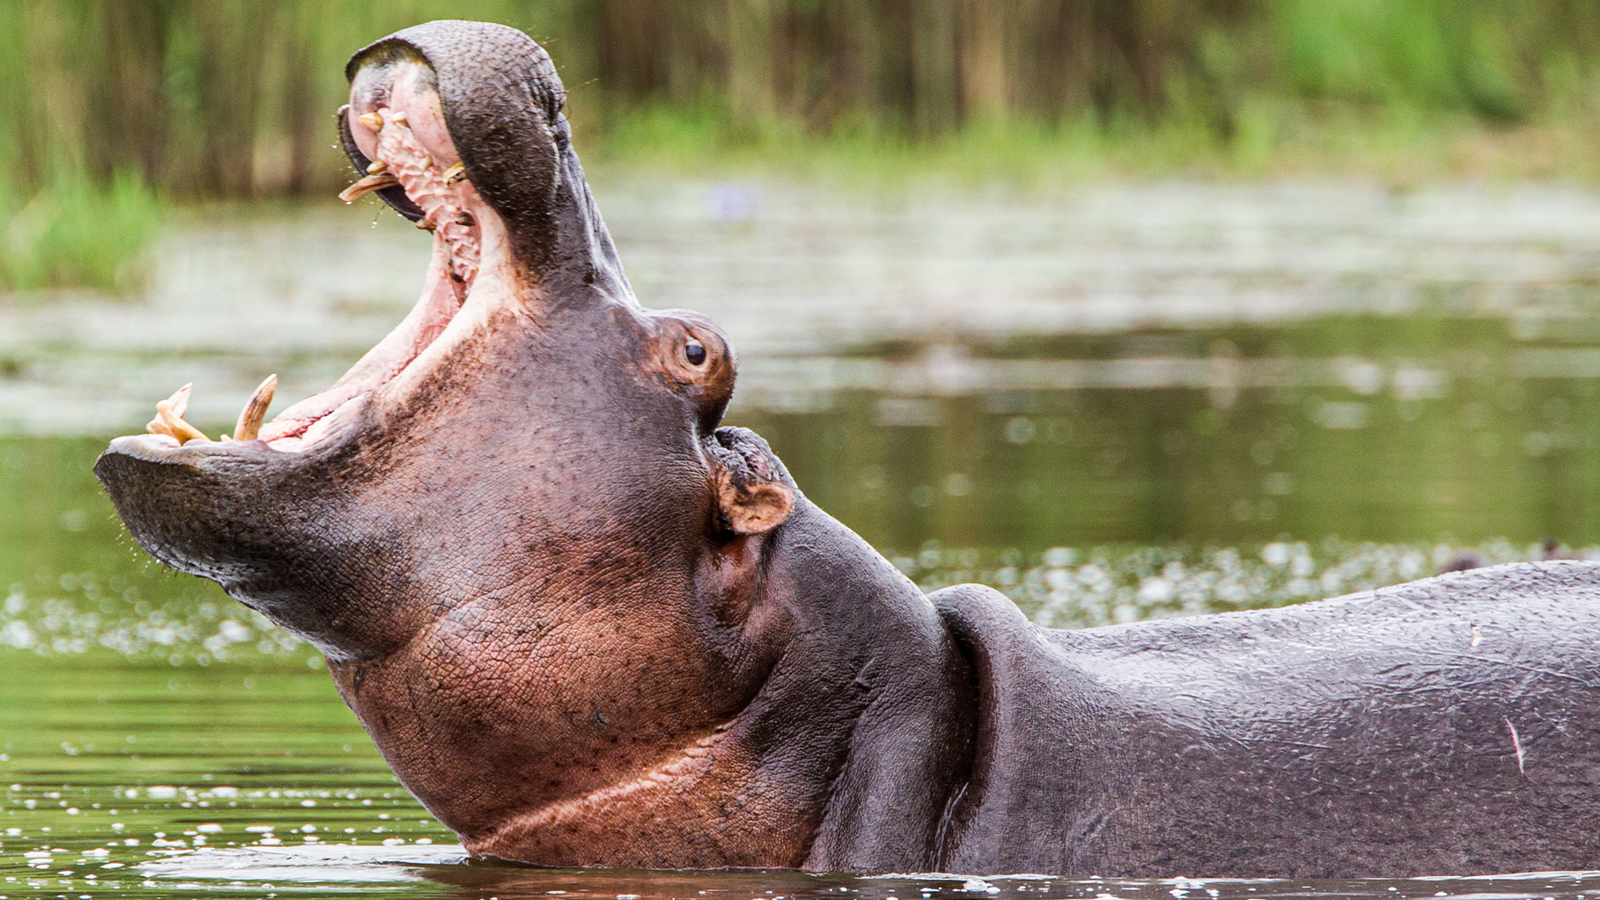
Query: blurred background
x=1128 y=308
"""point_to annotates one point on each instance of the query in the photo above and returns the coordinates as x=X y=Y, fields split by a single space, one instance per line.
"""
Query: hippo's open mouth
x=401 y=130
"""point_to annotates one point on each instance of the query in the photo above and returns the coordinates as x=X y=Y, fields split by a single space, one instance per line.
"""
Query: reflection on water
x=1124 y=402
x=1367 y=429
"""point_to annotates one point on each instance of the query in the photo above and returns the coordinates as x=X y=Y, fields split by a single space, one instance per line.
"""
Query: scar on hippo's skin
x=1516 y=745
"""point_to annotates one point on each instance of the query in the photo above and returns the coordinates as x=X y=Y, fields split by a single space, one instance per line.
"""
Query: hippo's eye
x=694 y=352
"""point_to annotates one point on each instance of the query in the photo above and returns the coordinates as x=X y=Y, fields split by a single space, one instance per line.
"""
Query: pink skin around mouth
x=414 y=146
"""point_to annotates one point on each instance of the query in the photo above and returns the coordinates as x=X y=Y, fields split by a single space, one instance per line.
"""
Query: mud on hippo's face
x=527 y=431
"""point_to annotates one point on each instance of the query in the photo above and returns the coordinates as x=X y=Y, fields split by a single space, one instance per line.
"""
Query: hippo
x=586 y=624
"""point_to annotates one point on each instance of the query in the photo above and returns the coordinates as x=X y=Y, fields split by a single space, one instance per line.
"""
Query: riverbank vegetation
x=113 y=104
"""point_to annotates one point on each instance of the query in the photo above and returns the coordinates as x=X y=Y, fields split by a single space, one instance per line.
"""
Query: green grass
x=74 y=232
x=207 y=99
x=1271 y=139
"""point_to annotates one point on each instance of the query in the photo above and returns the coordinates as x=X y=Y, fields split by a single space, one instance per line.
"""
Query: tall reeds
x=218 y=98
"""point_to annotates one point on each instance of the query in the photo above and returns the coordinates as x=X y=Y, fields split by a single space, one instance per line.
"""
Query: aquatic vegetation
x=1070 y=588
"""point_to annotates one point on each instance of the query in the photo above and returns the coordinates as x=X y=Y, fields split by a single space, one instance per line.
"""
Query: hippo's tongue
x=433 y=178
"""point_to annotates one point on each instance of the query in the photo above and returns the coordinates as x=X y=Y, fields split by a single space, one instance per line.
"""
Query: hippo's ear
x=752 y=495
x=755 y=508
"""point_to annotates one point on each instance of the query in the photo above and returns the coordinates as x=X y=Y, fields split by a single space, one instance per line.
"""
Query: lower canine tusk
x=367 y=185
x=255 y=411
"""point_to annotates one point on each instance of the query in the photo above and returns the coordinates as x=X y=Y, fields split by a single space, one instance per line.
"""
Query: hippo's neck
x=874 y=685
x=844 y=760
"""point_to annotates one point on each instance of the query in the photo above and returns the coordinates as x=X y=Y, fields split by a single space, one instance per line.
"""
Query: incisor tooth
x=455 y=173
x=255 y=411
x=377 y=167
x=399 y=118
x=367 y=185
x=177 y=405
x=180 y=399
x=169 y=419
x=371 y=120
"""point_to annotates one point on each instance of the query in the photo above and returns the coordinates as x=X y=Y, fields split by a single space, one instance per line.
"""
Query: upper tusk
x=255 y=411
x=367 y=185
x=371 y=120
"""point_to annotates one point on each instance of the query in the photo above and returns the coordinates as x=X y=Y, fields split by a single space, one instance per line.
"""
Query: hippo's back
x=1443 y=726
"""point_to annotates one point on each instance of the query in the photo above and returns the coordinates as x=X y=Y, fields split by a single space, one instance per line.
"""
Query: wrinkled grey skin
x=1442 y=726
x=532 y=583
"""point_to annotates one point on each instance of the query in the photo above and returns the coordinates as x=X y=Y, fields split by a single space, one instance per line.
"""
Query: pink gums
x=457 y=249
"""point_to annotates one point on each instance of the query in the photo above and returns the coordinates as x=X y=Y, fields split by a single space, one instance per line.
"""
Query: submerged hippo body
x=587 y=626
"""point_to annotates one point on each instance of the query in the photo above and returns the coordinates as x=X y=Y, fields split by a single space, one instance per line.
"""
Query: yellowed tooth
x=174 y=424
x=455 y=174
x=255 y=411
x=367 y=185
x=179 y=400
x=377 y=167
x=176 y=405
x=371 y=120
x=399 y=118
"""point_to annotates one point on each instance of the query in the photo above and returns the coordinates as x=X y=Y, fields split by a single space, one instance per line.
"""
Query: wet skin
x=587 y=626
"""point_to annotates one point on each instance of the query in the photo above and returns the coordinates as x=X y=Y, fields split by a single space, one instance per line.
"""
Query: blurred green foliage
x=111 y=102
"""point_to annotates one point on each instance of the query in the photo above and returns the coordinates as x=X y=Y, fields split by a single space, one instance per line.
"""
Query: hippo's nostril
x=694 y=352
